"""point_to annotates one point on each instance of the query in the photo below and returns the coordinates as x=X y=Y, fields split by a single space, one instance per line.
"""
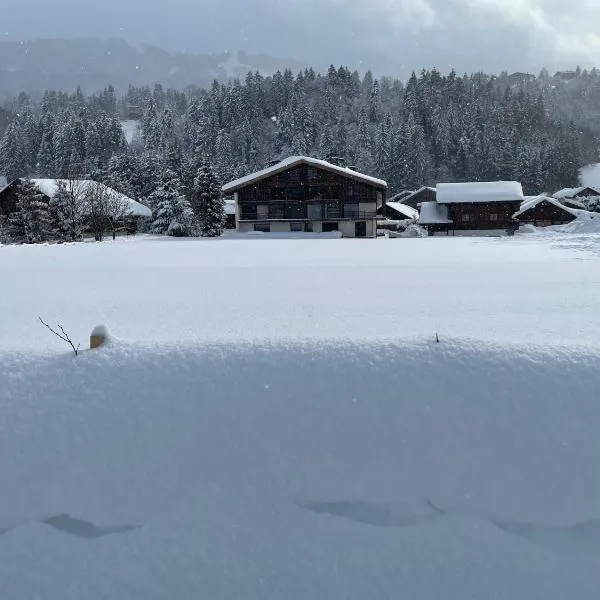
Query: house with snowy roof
x=479 y=208
x=303 y=194
x=130 y=211
x=576 y=197
x=543 y=211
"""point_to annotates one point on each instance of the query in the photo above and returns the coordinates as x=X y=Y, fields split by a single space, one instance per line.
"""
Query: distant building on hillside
x=519 y=79
x=481 y=208
x=302 y=194
x=424 y=194
x=543 y=211
x=565 y=75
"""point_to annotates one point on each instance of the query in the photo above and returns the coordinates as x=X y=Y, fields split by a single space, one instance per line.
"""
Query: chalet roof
x=573 y=192
x=433 y=213
x=420 y=191
x=482 y=191
x=48 y=187
x=532 y=201
x=294 y=161
x=401 y=195
x=407 y=211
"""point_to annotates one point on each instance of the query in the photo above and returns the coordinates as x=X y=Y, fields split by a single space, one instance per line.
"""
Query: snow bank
x=339 y=470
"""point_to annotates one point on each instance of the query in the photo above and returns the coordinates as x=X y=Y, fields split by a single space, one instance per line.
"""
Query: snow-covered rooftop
x=48 y=187
x=403 y=209
x=293 y=161
x=400 y=195
x=421 y=189
x=532 y=201
x=482 y=191
x=572 y=192
x=433 y=213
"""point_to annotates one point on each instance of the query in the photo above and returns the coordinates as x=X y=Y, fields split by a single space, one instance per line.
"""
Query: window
x=308 y=227
x=264 y=227
x=296 y=227
x=493 y=217
x=262 y=211
x=465 y=218
x=327 y=227
x=314 y=211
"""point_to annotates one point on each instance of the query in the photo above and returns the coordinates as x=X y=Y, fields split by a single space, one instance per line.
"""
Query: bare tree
x=117 y=210
x=96 y=202
x=63 y=335
x=68 y=210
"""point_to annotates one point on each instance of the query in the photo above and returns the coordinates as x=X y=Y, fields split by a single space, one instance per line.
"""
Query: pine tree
x=173 y=214
x=208 y=203
x=30 y=223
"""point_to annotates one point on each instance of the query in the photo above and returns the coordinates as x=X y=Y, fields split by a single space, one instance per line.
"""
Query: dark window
x=360 y=229
x=296 y=210
x=296 y=227
x=276 y=211
x=328 y=226
x=308 y=227
x=264 y=227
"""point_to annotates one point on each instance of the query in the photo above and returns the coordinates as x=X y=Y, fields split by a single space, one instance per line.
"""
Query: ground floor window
x=493 y=217
x=264 y=227
x=329 y=226
x=295 y=226
x=308 y=227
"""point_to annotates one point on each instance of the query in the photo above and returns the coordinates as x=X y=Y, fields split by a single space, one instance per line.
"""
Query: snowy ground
x=165 y=290
x=209 y=457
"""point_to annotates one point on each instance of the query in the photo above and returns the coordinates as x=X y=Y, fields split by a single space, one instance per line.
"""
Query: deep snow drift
x=338 y=470
x=362 y=460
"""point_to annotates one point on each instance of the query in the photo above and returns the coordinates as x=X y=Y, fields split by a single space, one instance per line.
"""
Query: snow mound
x=334 y=470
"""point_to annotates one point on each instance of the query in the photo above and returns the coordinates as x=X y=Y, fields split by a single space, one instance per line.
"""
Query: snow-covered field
x=278 y=421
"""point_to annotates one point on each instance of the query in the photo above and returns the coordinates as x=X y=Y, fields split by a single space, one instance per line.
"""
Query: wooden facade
x=483 y=216
x=309 y=198
x=8 y=199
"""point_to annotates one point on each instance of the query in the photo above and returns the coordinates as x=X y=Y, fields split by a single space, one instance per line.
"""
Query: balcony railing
x=307 y=213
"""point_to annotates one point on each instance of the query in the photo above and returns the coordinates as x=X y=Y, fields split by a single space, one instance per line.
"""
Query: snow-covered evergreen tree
x=208 y=203
x=67 y=211
x=30 y=222
x=172 y=212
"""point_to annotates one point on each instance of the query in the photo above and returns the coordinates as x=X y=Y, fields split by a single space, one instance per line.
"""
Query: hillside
x=93 y=64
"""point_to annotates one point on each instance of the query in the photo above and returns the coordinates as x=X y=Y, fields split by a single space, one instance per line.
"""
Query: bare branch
x=64 y=336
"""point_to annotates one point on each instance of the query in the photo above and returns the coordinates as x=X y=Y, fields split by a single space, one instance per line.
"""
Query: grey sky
x=389 y=36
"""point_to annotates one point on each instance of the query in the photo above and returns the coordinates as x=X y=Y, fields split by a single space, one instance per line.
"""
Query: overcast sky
x=388 y=36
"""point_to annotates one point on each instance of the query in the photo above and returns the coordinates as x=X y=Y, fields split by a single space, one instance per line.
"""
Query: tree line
x=432 y=128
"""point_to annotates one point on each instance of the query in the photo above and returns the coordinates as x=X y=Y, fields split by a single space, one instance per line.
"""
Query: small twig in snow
x=437 y=338
x=64 y=336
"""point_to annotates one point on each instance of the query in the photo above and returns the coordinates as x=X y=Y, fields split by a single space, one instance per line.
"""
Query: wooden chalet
x=543 y=211
x=302 y=194
x=424 y=194
x=482 y=207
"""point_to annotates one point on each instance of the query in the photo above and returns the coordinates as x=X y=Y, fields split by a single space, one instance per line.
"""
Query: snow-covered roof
x=573 y=192
x=433 y=213
x=482 y=191
x=400 y=195
x=230 y=207
x=48 y=187
x=407 y=211
x=532 y=201
x=293 y=161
